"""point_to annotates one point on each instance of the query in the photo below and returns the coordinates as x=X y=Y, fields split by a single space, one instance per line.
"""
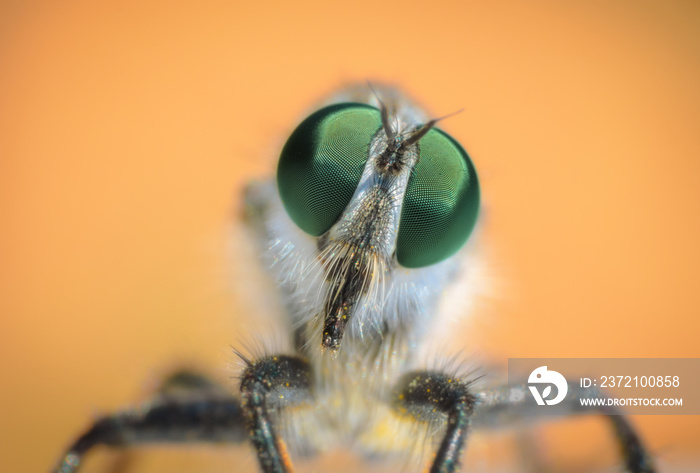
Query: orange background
x=127 y=130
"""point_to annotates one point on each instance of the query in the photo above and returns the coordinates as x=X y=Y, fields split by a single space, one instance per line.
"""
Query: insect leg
x=427 y=395
x=268 y=383
x=506 y=405
x=169 y=419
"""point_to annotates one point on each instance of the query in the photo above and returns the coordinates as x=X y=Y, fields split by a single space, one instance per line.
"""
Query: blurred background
x=128 y=129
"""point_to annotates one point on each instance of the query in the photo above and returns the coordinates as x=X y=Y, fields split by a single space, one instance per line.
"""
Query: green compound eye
x=322 y=162
x=441 y=203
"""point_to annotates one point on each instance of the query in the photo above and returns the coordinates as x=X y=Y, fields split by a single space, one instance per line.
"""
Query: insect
x=362 y=232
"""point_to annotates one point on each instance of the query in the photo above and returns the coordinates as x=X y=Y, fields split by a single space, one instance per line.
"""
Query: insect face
x=379 y=196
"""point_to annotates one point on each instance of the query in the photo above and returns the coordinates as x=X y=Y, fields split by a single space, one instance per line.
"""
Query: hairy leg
x=266 y=384
x=427 y=395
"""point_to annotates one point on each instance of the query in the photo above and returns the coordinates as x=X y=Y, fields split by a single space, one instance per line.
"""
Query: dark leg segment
x=188 y=407
x=200 y=420
x=637 y=460
x=505 y=405
x=267 y=384
x=427 y=396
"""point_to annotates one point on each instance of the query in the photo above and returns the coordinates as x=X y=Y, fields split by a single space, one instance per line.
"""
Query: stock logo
x=542 y=375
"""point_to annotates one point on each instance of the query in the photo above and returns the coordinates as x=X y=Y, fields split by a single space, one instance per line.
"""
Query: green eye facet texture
x=441 y=203
x=322 y=162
